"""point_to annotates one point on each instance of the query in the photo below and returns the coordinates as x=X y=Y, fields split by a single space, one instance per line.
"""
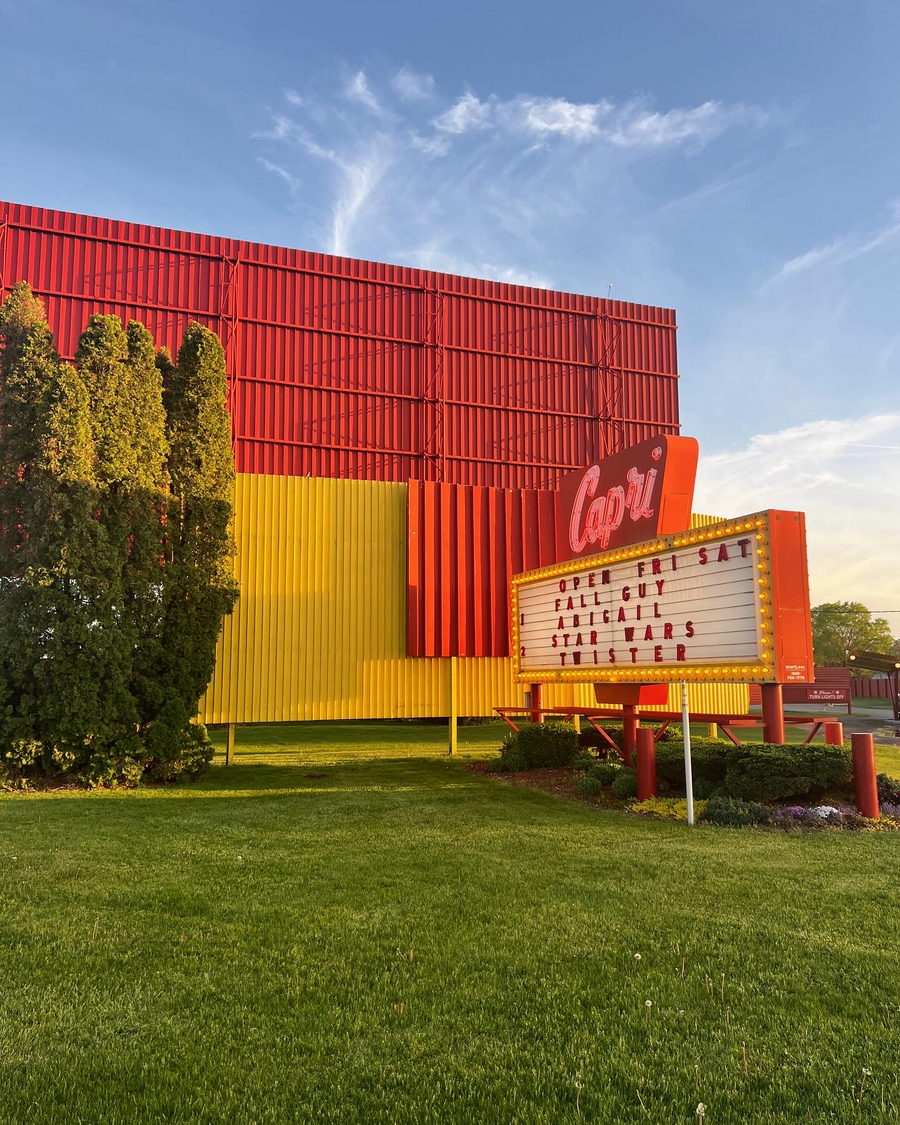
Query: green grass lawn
x=334 y=930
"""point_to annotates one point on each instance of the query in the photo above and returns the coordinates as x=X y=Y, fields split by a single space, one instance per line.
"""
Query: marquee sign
x=628 y=497
x=724 y=603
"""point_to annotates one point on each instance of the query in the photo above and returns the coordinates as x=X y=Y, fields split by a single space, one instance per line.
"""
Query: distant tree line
x=116 y=477
x=842 y=628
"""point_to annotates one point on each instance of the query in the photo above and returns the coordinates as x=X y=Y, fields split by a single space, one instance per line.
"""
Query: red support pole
x=834 y=734
x=537 y=715
x=772 y=713
x=865 y=785
x=646 y=764
x=630 y=724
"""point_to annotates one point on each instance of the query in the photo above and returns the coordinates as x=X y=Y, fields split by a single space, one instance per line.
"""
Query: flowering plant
x=666 y=808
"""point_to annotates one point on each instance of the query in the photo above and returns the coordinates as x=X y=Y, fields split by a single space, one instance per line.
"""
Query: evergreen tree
x=199 y=587
x=112 y=586
x=65 y=698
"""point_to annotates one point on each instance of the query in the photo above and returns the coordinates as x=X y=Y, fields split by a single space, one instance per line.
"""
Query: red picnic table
x=595 y=716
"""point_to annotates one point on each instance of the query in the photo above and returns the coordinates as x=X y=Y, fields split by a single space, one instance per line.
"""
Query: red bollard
x=865 y=785
x=646 y=764
x=834 y=734
x=630 y=728
x=537 y=714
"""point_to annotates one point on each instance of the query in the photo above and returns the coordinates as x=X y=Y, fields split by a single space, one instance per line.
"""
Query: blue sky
x=739 y=163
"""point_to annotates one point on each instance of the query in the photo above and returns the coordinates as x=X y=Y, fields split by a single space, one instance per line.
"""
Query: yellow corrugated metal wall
x=319 y=631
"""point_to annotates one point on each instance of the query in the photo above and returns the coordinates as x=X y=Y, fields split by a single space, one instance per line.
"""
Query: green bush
x=591 y=738
x=543 y=745
x=704 y=788
x=624 y=784
x=730 y=812
x=605 y=772
x=590 y=786
x=512 y=759
x=584 y=760
x=766 y=772
x=708 y=763
x=888 y=789
x=755 y=771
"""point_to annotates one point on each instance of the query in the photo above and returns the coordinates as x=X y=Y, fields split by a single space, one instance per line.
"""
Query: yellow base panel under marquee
x=320 y=628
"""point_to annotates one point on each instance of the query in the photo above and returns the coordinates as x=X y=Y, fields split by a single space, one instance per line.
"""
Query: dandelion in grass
x=701 y=1111
x=637 y=956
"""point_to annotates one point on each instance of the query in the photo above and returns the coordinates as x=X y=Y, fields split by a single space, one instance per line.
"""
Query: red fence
x=872 y=689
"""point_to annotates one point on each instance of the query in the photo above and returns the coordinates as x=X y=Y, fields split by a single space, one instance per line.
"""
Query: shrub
x=766 y=772
x=605 y=772
x=512 y=759
x=732 y=812
x=708 y=764
x=755 y=771
x=544 y=745
x=590 y=738
x=705 y=788
x=624 y=784
x=584 y=760
x=590 y=786
x=888 y=789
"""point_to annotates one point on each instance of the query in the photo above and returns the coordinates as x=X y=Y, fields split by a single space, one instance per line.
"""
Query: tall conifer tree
x=112 y=585
x=66 y=700
x=200 y=589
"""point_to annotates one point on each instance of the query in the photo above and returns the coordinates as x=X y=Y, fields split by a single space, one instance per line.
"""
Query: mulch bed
x=558 y=782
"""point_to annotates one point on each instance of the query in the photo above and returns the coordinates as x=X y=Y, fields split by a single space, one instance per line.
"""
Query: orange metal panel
x=790 y=597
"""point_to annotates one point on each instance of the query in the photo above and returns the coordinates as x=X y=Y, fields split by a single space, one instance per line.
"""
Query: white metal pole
x=688 y=774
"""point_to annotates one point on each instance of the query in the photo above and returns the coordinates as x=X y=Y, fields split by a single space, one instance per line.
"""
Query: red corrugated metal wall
x=464 y=545
x=354 y=369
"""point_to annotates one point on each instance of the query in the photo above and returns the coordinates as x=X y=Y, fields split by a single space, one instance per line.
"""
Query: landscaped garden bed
x=793 y=788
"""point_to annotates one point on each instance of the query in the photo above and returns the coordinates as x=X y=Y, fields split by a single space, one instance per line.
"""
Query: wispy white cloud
x=641 y=128
x=357 y=90
x=842 y=474
x=629 y=125
x=467 y=178
x=361 y=178
x=412 y=87
x=466 y=114
x=839 y=251
x=555 y=116
x=293 y=183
